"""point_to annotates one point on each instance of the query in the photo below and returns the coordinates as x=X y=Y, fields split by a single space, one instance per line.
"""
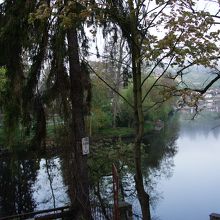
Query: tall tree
x=185 y=40
x=39 y=30
x=79 y=173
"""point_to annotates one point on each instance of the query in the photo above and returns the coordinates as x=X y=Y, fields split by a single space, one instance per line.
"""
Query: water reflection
x=158 y=151
x=193 y=191
x=16 y=180
x=28 y=184
x=49 y=189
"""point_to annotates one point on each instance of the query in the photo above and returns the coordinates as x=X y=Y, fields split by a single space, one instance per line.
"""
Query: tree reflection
x=16 y=180
x=158 y=151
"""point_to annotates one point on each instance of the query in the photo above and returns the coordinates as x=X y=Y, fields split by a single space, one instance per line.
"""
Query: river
x=193 y=190
x=180 y=166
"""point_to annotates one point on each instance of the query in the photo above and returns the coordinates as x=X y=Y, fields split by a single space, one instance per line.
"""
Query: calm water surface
x=181 y=166
x=193 y=191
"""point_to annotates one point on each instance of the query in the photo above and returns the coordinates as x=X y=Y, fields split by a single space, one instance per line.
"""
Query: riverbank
x=106 y=133
x=120 y=132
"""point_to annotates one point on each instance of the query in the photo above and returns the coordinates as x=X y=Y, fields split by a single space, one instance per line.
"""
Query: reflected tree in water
x=158 y=151
x=16 y=180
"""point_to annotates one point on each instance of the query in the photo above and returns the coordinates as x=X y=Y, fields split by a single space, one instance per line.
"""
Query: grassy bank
x=120 y=131
x=53 y=133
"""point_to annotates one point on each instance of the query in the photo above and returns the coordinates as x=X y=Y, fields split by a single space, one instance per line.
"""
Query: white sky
x=208 y=5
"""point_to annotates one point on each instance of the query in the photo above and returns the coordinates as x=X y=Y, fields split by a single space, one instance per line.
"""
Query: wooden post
x=215 y=216
x=115 y=191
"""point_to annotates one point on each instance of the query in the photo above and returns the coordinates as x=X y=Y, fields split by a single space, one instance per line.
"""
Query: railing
x=214 y=216
x=98 y=213
x=47 y=214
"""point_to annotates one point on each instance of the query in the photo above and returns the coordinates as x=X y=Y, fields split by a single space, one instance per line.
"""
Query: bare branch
x=152 y=106
x=110 y=86
x=155 y=17
x=202 y=91
x=157 y=79
x=158 y=7
x=160 y=60
x=117 y=61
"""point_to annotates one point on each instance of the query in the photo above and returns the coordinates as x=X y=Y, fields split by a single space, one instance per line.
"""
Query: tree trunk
x=79 y=189
x=135 y=48
x=139 y=131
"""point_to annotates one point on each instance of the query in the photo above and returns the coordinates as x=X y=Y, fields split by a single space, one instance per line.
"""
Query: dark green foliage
x=12 y=36
x=25 y=44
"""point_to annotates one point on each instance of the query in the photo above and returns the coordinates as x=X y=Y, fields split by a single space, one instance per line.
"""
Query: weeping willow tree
x=40 y=52
x=11 y=40
x=28 y=50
